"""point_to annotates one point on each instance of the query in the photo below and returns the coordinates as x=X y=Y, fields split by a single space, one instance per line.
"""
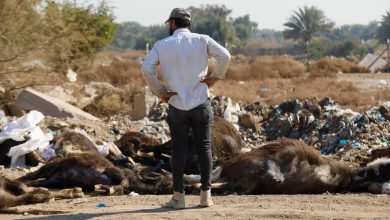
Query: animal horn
x=215 y=175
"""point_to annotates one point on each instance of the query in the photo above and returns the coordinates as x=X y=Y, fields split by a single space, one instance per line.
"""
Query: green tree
x=384 y=29
x=21 y=30
x=213 y=21
x=127 y=36
x=244 y=28
x=306 y=23
x=359 y=31
x=85 y=30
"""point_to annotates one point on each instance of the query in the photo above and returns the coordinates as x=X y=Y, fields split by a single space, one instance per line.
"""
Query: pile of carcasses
x=324 y=124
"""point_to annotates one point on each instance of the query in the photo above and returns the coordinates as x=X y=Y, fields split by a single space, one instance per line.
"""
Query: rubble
x=30 y=99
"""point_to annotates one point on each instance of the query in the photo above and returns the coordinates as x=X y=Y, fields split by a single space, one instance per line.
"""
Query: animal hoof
x=103 y=190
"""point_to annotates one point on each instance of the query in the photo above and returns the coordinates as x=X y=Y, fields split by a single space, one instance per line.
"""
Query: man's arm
x=149 y=72
x=221 y=55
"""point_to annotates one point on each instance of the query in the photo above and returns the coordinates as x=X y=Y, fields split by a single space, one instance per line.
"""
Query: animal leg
x=120 y=183
x=51 y=182
x=76 y=192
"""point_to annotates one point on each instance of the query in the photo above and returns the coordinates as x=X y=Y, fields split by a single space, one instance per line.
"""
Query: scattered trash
x=16 y=129
x=133 y=194
x=78 y=201
x=264 y=89
x=102 y=205
x=382 y=83
x=324 y=150
x=37 y=141
x=3 y=119
x=386 y=188
x=356 y=145
x=71 y=75
x=342 y=142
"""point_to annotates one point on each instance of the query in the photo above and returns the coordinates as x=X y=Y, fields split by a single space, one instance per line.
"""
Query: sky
x=269 y=14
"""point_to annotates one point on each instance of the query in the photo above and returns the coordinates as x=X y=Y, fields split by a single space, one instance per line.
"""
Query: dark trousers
x=200 y=119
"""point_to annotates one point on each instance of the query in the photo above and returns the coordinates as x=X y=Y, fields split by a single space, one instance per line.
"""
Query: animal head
x=372 y=177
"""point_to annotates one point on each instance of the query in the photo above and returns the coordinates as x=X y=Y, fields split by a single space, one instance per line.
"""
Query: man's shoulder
x=197 y=35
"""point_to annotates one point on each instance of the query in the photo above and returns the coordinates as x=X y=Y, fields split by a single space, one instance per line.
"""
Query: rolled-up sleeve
x=149 y=72
x=221 y=55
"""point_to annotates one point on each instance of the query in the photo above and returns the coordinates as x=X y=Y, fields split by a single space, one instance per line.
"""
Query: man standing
x=183 y=58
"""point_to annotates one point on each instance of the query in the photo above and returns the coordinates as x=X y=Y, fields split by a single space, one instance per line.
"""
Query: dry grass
x=119 y=73
x=275 y=91
x=328 y=67
x=108 y=104
x=122 y=70
x=246 y=68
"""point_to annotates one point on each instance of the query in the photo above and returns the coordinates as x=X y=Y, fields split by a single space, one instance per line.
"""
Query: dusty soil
x=367 y=81
x=327 y=206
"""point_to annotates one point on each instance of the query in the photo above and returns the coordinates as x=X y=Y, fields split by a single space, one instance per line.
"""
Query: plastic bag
x=102 y=149
x=37 y=140
x=16 y=129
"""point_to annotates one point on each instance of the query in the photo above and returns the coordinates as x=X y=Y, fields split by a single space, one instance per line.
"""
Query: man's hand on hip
x=209 y=81
x=165 y=97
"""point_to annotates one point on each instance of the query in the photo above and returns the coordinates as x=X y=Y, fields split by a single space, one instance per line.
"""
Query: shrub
x=328 y=67
x=244 y=68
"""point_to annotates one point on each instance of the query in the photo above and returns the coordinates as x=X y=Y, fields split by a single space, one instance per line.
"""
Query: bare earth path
x=341 y=206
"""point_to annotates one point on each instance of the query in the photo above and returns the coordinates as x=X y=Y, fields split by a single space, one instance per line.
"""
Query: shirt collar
x=181 y=30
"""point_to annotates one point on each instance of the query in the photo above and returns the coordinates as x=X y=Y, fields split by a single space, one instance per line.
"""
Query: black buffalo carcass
x=291 y=167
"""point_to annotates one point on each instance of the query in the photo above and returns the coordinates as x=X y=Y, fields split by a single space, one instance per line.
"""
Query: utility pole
x=388 y=55
x=147 y=49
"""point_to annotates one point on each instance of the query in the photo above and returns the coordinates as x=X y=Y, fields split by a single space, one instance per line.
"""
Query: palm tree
x=305 y=23
x=383 y=32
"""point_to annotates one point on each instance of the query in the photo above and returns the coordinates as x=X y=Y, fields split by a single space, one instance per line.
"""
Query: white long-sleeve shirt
x=183 y=58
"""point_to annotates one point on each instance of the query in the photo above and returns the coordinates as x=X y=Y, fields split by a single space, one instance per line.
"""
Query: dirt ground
x=367 y=81
x=326 y=206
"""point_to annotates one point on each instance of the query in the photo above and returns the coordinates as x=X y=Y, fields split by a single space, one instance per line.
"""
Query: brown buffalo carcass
x=14 y=193
x=291 y=167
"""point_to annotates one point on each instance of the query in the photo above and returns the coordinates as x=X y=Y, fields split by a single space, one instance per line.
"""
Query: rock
x=30 y=99
x=143 y=104
x=62 y=93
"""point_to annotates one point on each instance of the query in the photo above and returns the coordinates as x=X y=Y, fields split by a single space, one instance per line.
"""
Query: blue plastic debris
x=342 y=142
x=357 y=145
x=102 y=205
x=324 y=150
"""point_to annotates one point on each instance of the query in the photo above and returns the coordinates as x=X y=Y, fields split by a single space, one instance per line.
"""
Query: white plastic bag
x=37 y=140
x=71 y=75
x=16 y=129
x=102 y=149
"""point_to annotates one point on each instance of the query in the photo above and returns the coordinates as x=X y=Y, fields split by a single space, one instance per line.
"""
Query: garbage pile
x=331 y=128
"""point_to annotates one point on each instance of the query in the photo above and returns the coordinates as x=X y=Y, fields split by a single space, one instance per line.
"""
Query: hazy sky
x=267 y=13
